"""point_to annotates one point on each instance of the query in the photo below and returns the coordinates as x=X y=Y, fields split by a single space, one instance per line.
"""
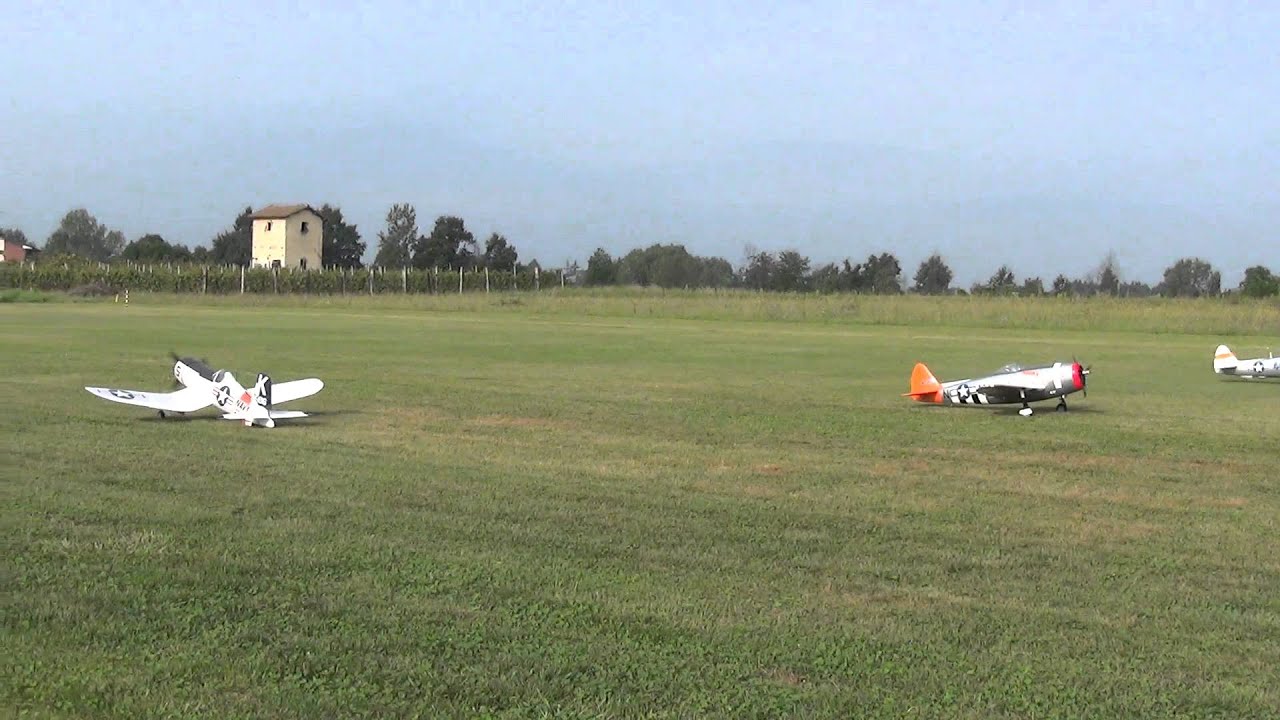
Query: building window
x=268 y=226
x=275 y=264
x=302 y=263
x=304 y=227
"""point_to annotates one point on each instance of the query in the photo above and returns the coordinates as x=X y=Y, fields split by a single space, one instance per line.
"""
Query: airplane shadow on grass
x=1007 y=410
x=309 y=420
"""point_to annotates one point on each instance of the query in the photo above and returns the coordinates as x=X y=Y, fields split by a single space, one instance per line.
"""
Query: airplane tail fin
x=924 y=386
x=1224 y=361
x=262 y=391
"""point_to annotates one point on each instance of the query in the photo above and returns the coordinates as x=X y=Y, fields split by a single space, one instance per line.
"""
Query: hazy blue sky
x=1041 y=134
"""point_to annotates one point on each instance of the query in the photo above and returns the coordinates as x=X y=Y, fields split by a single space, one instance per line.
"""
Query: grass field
x=505 y=510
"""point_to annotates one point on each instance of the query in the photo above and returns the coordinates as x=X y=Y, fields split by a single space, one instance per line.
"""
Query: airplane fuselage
x=1021 y=386
x=230 y=396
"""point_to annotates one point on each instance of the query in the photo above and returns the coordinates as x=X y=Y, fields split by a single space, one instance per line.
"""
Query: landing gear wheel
x=161 y=414
x=1062 y=406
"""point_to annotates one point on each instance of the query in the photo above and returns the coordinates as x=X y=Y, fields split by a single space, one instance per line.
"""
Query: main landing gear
x=1062 y=405
x=1026 y=409
x=161 y=414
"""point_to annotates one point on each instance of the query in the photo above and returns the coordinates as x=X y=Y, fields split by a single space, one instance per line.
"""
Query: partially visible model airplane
x=1012 y=383
x=1225 y=362
x=203 y=386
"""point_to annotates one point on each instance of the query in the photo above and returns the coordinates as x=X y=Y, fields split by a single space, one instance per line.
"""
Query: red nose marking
x=1077 y=376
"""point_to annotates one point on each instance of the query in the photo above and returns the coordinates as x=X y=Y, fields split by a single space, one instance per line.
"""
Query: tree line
x=451 y=246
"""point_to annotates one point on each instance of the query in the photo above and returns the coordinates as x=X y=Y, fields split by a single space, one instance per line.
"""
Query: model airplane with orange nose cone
x=1011 y=384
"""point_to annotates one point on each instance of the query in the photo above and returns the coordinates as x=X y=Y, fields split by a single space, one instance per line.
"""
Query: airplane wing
x=183 y=401
x=1013 y=380
x=295 y=390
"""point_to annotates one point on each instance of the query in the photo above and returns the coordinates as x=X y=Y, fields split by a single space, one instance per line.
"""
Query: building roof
x=280 y=212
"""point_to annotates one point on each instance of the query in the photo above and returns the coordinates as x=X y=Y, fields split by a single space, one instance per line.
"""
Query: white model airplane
x=1225 y=362
x=203 y=386
x=1010 y=384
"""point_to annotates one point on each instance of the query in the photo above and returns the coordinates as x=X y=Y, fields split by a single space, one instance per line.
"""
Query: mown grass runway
x=501 y=512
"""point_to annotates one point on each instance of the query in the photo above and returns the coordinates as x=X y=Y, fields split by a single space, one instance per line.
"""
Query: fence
x=227 y=279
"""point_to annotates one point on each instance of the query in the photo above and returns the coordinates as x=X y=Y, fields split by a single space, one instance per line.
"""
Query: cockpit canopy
x=1009 y=368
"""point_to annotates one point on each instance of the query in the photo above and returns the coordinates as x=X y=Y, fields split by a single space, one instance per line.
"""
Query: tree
x=1258 y=282
x=152 y=248
x=200 y=254
x=881 y=274
x=395 y=241
x=1190 y=277
x=758 y=273
x=933 y=277
x=81 y=234
x=601 y=269
x=1032 y=287
x=342 y=246
x=449 y=245
x=1001 y=282
x=791 y=273
x=668 y=266
x=499 y=254
x=235 y=246
x=1061 y=285
x=1108 y=275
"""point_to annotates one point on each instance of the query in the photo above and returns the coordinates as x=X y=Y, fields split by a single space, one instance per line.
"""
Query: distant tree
x=395 y=241
x=342 y=246
x=714 y=272
x=450 y=245
x=235 y=246
x=1191 y=277
x=826 y=278
x=1135 y=288
x=1259 y=281
x=601 y=269
x=1001 y=282
x=668 y=266
x=881 y=274
x=499 y=254
x=791 y=273
x=933 y=276
x=200 y=255
x=758 y=272
x=1032 y=287
x=1109 y=275
x=153 y=248
x=81 y=234
x=1061 y=285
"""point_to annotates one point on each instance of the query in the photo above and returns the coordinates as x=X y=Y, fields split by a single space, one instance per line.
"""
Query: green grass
x=560 y=509
x=14 y=295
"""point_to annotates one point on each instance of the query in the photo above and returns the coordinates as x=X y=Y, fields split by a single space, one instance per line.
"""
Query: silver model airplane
x=1010 y=384
x=1225 y=362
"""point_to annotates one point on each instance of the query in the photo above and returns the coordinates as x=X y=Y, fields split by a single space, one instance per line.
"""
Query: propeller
x=1084 y=376
x=176 y=358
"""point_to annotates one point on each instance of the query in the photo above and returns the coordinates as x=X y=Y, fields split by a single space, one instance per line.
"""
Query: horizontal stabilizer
x=274 y=415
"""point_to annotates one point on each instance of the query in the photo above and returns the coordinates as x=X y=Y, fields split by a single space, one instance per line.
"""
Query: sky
x=1042 y=135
